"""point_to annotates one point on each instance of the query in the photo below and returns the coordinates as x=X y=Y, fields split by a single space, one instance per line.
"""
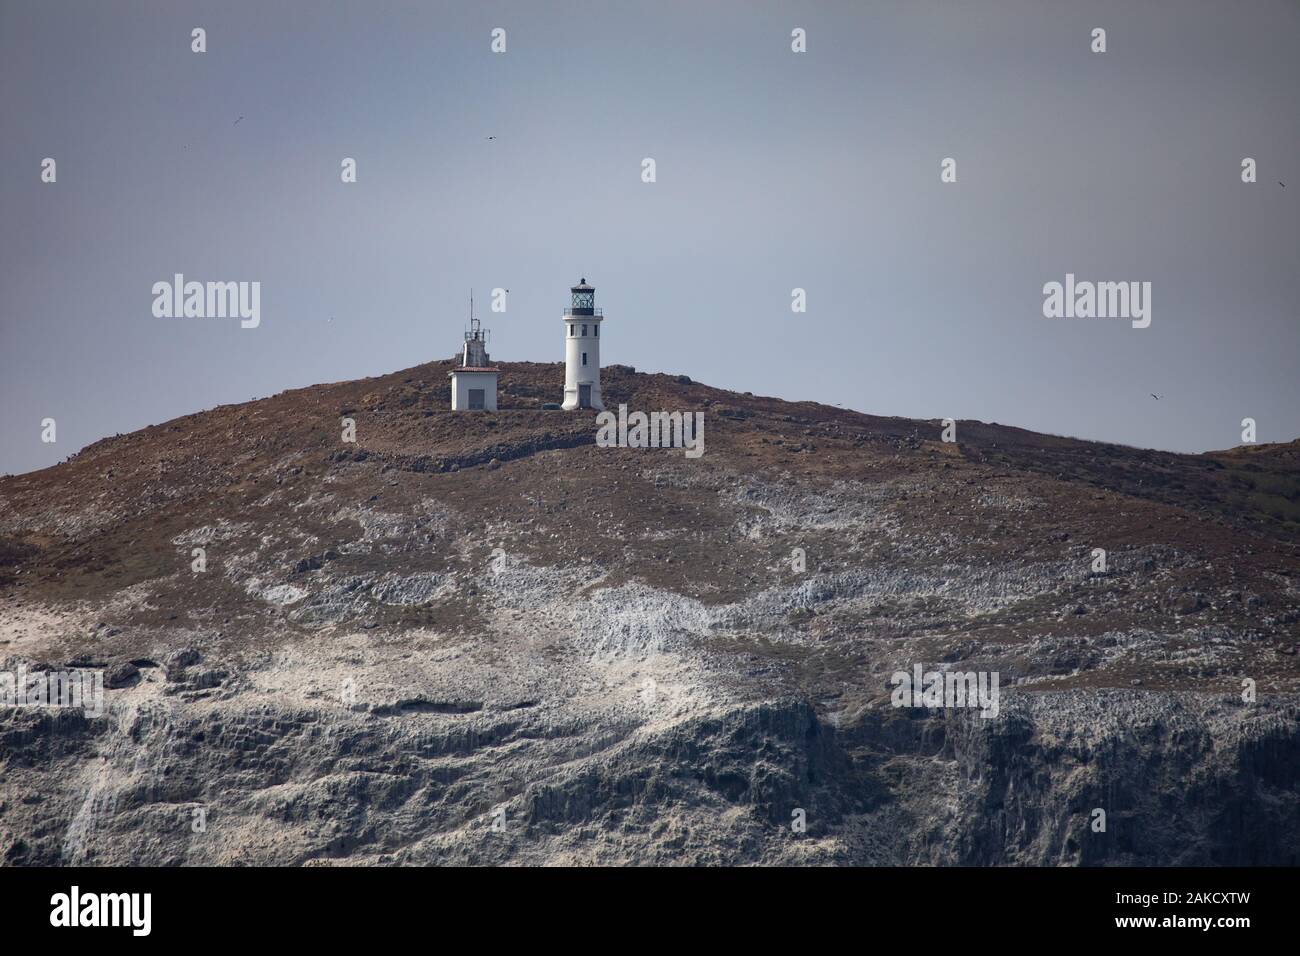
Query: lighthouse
x=582 y=349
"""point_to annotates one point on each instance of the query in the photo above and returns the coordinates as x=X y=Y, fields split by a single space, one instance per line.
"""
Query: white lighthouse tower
x=582 y=349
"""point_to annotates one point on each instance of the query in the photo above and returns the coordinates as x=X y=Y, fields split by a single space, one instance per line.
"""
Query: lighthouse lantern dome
x=583 y=301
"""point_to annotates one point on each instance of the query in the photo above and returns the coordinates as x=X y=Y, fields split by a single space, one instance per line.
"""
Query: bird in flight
x=491 y=137
x=1282 y=184
x=241 y=116
x=1154 y=395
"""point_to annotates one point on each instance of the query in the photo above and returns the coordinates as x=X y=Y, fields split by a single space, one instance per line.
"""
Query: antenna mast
x=475 y=352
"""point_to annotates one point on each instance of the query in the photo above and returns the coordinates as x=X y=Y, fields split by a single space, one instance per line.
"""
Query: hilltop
x=642 y=657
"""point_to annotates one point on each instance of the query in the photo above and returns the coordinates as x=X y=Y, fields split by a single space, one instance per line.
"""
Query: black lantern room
x=584 y=298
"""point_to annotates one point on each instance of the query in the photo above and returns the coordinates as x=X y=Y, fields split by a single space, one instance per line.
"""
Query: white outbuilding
x=582 y=349
x=474 y=383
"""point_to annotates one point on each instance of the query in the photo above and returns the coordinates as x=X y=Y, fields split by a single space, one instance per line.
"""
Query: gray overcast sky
x=775 y=170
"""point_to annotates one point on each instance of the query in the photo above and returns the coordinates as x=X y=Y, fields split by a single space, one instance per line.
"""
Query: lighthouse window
x=570 y=328
x=584 y=358
x=597 y=331
x=584 y=330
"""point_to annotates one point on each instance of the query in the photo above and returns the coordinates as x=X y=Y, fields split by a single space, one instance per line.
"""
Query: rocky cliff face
x=479 y=638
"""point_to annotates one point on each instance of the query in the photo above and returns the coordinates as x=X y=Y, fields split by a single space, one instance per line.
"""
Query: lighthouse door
x=584 y=396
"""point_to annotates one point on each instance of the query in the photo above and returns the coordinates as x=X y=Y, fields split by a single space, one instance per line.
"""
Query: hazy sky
x=775 y=170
